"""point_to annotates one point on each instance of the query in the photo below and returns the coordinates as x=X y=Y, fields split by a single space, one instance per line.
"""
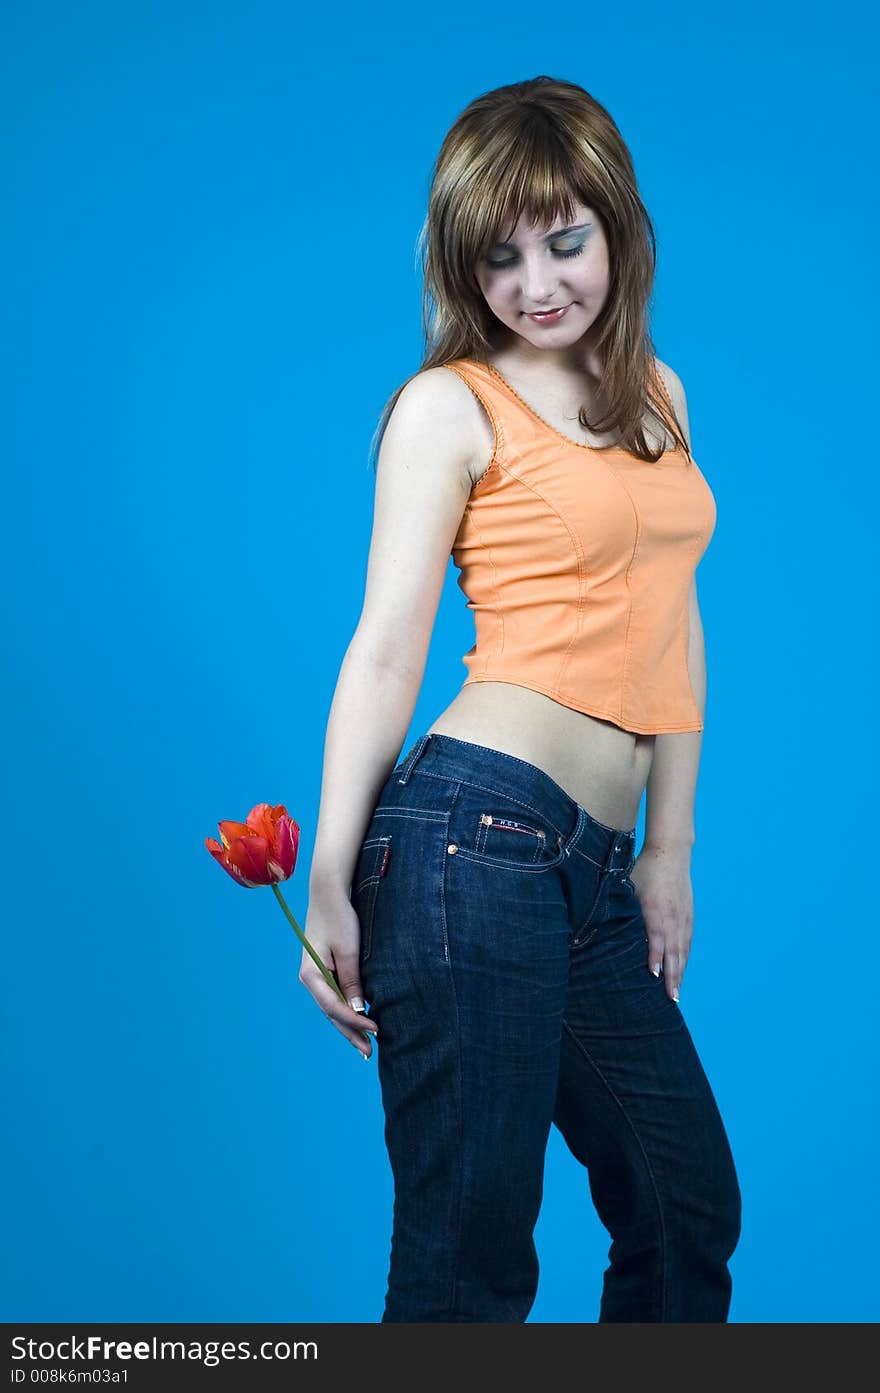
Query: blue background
x=187 y=521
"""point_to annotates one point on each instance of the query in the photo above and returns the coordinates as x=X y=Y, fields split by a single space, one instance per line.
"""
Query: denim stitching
x=539 y=813
x=533 y=768
x=460 y=1221
x=444 y=858
x=498 y=793
x=663 y=1240
x=369 y=845
x=481 y=837
x=503 y=754
x=520 y=867
x=602 y=888
x=412 y=759
x=367 y=880
x=368 y=909
x=417 y=814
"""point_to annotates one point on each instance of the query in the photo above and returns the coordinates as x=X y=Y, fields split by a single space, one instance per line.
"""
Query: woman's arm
x=423 y=482
x=672 y=782
x=662 y=874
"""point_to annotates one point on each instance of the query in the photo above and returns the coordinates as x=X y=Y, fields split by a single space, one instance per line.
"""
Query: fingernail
x=675 y=995
x=357 y=1003
x=656 y=969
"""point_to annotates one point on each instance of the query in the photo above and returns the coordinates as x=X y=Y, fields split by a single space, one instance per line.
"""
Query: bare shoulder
x=675 y=388
x=422 y=490
x=454 y=417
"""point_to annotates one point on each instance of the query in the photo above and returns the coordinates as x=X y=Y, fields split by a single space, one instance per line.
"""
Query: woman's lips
x=551 y=316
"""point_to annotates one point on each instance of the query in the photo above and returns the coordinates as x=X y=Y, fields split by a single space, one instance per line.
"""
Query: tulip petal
x=250 y=855
x=230 y=831
x=221 y=856
x=286 y=845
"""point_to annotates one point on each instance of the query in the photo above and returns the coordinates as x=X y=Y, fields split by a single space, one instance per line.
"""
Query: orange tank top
x=577 y=564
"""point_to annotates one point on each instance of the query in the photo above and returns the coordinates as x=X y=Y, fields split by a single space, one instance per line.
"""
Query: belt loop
x=579 y=826
x=615 y=845
x=415 y=755
x=621 y=842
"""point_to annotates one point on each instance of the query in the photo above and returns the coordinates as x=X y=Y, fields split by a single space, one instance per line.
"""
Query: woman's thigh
x=633 y=1101
x=464 y=963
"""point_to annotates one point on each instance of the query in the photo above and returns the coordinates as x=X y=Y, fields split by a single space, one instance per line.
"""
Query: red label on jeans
x=385 y=859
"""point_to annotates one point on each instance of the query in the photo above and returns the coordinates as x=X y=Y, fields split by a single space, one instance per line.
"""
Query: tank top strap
x=509 y=413
x=485 y=388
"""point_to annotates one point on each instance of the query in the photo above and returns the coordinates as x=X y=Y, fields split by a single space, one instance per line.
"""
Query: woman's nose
x=538 y=284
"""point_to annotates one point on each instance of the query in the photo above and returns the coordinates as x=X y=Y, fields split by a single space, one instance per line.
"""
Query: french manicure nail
x=357 y=1003
x=675 y=995
x=656 y=969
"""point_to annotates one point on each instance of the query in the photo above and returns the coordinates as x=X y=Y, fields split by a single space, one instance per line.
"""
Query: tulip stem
x=326 y=974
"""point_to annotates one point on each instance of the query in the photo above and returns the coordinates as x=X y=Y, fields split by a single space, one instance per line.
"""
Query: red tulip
x=262 y=851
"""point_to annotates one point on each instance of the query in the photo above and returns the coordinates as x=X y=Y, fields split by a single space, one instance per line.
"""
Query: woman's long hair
x=535 y=148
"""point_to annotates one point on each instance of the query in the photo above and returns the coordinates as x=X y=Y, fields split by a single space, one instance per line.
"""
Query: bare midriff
x=599 y=765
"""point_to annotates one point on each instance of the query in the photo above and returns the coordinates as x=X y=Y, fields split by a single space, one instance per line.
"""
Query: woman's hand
x=334 y=932
x=663 y=882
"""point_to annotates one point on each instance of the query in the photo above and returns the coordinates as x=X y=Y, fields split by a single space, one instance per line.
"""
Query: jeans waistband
x=447 y=757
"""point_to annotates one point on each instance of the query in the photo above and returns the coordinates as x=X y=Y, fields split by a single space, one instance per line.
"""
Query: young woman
x=521 y=963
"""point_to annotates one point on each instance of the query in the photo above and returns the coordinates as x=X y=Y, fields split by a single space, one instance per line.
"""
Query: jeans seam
x=460 y=1217
x=500 y=793
x=663 y=1241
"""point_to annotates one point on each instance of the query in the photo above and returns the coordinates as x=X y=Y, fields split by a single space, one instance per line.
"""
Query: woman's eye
x=557 y=251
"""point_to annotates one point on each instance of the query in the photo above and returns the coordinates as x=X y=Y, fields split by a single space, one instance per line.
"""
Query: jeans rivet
x=452 y=848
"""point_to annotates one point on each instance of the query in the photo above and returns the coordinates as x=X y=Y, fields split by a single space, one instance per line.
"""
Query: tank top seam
x=496 y=591
x=581 y=571
x=624 y=668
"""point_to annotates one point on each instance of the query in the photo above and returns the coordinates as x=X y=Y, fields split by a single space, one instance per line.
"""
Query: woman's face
x=563 y=266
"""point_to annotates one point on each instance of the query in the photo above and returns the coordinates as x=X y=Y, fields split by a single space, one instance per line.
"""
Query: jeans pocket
x=497 y=830
x=370 y=867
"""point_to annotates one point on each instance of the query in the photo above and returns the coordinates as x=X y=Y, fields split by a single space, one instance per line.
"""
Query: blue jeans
x=504 y=959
